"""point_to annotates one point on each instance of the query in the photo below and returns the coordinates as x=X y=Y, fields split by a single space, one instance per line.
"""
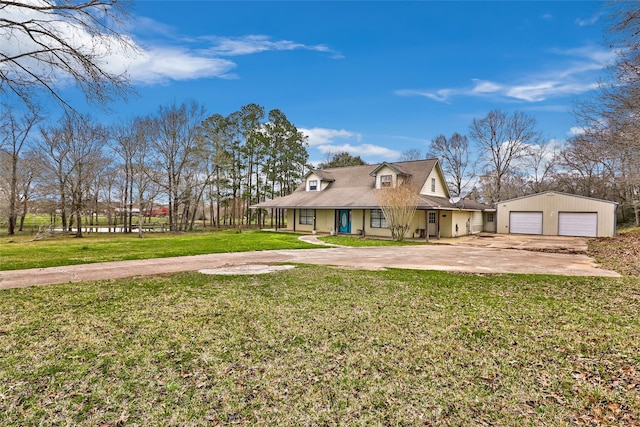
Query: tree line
x=184 y=158
x=178 y=157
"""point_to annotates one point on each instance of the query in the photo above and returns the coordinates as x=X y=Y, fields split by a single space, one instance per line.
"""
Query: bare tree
x=174 y=146
x=73 y=153
x=14 y=133
x=587 y=169
x=217 y=139
x=27 y=176
x=411 y=154
x=55 y=167
x=130 y=141
x=398 y=205
x=540 y=162
x=340 y=160
x=43 y=43
x=455 y=157
x=503 y=138
x=610 y=120
x=85 y=139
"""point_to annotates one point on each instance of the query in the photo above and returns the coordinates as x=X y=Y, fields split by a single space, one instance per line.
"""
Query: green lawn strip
x=16 y=254
x=322 y=346
x=358 y=241
x=33 y=221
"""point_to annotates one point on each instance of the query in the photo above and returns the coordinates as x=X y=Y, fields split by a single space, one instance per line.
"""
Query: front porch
x=427 y=223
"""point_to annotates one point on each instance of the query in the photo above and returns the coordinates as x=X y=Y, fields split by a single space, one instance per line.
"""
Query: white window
x=306 y=216
x=313 y=185
x=377 y=219
x=432 y=217
x=385 y=181
x=433 y=185
x=489 y=217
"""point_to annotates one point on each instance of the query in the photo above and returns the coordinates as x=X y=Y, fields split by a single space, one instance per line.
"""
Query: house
x=553 y=213
x=343 y=201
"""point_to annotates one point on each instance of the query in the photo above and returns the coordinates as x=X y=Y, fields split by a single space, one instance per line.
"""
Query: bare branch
x=44 y=44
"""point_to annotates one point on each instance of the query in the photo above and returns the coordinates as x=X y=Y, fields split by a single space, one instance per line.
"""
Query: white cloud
x=441 y=95
x=318 y=136
x=544 y=90
x=160 y=65
x=247 y=45
x=331 y=141
x=576 y=77
x=483 y=86
x=593 y=57
x=168 y=57
x=576 y=131
x=24 y=43
x=587 y=22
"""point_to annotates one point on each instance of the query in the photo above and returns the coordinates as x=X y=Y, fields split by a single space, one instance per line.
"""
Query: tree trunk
x=23 y=215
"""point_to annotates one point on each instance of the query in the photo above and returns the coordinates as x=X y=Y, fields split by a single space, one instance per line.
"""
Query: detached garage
x=557 y=214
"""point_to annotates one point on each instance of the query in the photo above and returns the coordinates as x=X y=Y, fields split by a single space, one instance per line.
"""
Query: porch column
x=294 y=219
x=364 y=224
x=426 y=225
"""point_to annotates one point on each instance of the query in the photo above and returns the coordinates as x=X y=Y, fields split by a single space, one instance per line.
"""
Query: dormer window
x=313 y=185
x=385 y=181
x=433 y=185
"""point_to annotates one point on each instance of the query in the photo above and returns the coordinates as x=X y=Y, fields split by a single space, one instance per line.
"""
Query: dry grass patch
x=620 y=253
x=320 y=346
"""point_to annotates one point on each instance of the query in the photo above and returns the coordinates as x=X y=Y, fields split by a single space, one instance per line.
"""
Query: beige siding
x=361 y=219
x=385 y=170
x=477 y=224
x=357 y=222
x=314 y=177
x=298 y=227
x=490 y=226
x=374 y=232
x=290 y=219
x=550 y=204
x=325 y=220
x=440 y=186
x=446 y=223
x=417 y=223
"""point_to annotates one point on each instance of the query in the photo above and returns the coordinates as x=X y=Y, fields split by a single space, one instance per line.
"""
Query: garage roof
x=552 y=192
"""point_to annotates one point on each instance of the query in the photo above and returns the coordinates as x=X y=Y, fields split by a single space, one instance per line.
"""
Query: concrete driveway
x=469 y=254
x=558 y=244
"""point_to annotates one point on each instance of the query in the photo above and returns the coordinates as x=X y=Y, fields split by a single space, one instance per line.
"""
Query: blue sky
x=371 y=78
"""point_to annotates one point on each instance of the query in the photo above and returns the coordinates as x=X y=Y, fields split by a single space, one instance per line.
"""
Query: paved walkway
x=444 y=257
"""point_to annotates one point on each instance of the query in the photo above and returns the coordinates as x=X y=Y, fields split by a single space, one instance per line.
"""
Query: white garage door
x=578 y=224
x=525 y=222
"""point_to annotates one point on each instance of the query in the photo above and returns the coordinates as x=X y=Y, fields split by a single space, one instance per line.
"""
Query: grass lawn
x=322 y=346
x=358 y=241
x=23 y=252
x=33 y=221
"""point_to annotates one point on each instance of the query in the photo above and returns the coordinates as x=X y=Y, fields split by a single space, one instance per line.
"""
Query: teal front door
x=345 y=221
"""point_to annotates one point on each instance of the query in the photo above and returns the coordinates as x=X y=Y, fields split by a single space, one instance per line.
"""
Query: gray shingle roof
x=354 y=187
